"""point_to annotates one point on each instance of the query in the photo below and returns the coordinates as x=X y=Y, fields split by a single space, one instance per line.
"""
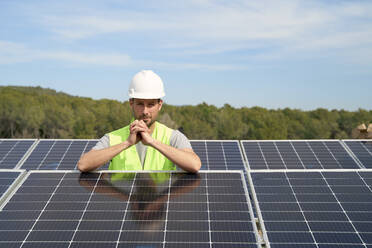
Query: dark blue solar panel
x=12 y=151
x=304 y=209
x=219 y=155
x=362 y=151
x=58 y=154
x=297 y=155
x=129 y=210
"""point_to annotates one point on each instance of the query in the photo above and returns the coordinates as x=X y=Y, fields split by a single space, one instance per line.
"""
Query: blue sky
x=301 y=54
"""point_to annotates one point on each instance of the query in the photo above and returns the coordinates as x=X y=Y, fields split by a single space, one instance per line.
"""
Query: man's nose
x=145 y=109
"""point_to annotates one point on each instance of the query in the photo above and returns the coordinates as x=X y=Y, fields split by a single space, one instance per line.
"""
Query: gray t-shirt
x=177 y=140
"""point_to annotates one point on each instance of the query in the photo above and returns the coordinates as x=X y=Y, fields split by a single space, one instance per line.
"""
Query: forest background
x=34 y=112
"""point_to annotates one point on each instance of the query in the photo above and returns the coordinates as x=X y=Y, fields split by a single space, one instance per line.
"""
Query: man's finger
x=138 y=123
x=132 y=129
x=143 y=124
x=134 y=123
x=138 y=129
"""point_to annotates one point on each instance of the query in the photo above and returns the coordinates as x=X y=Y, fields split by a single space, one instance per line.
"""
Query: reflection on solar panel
x=59 y=209
x=7 y=179
x=57 y=154
x=315 y=209
x=219 y=155
x=326 y=154
x=12 y=151
x=362 y=150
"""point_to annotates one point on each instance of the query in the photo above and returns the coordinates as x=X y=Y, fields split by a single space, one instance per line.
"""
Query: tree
x=34 y=112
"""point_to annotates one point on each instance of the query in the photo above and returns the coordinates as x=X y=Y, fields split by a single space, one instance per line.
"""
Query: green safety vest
x=128 y=159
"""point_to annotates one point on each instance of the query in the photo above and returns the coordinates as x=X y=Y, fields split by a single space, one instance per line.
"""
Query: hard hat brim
x=146 y=96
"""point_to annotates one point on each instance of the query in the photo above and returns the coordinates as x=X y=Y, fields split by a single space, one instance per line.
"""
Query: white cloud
x=81 y=27
x=12 y=53
x=223 y=23
x=270 y=28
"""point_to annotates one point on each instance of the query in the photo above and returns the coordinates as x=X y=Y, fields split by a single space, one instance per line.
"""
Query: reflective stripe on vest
x=129 y=159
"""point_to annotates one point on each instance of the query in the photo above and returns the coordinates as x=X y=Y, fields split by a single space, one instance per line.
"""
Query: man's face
x=146 y=109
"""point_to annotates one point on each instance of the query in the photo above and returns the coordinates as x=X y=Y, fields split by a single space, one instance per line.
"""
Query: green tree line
x=34 y=112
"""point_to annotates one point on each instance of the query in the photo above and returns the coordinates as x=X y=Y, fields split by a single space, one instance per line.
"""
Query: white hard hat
x=146 y=85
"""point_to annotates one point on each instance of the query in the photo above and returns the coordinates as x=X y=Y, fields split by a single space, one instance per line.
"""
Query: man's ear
x=160 y=104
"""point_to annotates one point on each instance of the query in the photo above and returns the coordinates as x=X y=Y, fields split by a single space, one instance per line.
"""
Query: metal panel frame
x=26 y=155
x=13 y=187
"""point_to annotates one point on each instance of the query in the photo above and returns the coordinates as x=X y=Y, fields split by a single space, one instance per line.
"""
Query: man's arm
x=96 y=158
x=186 y=158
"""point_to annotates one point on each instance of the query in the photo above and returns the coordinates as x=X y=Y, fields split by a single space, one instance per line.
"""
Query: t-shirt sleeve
x=179 y=140
x=102 y=143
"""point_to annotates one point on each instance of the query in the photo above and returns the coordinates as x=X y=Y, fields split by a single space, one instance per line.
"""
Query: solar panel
x=134 y=209
x=219 y=155
x=362 y=150
x=58 y=154
x=8 y=180
x=324 y=208
x=297 y=154
x=12 y=151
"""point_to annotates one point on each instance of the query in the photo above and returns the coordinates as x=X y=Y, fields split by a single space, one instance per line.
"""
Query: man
x=145 y=144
